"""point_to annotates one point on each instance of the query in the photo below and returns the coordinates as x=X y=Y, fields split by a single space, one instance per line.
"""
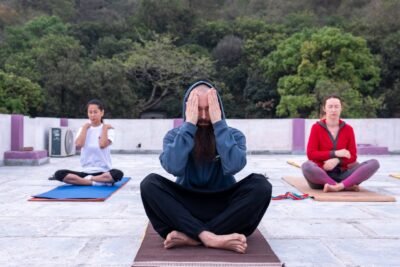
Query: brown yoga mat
x=294 y=163
x=395 y=175
x=363 y=195
x=152 y=253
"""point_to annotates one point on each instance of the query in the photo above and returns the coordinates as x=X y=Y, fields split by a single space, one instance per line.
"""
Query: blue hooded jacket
x=177 y=158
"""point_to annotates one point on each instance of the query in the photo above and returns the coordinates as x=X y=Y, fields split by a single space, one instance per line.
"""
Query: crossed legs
x=318 y=178
x=78 y=178
x=222 y=219
x=71 y=178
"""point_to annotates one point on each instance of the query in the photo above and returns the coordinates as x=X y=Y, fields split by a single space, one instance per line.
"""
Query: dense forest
x=268 y=58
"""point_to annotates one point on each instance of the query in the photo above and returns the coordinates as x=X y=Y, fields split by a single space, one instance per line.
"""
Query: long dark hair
x=98 y=103
x=323 y=103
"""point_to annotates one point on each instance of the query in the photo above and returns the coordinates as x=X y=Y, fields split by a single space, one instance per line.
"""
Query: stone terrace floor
x=302 y=233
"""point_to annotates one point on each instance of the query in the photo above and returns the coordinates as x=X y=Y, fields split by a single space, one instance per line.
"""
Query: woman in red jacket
x=332 y=153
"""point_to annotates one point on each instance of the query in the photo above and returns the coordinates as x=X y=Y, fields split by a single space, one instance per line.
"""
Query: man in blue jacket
x=205 y=205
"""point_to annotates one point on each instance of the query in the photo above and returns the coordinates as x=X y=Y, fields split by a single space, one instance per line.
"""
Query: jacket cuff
x=219 y=125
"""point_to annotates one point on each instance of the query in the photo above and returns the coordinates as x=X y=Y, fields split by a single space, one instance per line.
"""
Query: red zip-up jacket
x=321 y=144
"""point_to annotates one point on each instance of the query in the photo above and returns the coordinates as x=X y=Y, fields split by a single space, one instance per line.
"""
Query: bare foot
x=354 y=188
x=178 y=239
x=333 y=188
x=234 y=242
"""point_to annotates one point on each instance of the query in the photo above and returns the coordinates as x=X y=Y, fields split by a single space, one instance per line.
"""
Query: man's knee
x=148 y=183
x=307 y=166
x=60 y=175
x=116 y=175
x=374 y=164
x=260 y=185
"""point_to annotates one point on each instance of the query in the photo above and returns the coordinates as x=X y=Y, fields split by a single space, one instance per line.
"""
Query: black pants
x=238 y=209
x=115 y=174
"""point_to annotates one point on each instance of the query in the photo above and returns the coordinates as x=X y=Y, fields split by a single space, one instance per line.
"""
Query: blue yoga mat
x=80 y=192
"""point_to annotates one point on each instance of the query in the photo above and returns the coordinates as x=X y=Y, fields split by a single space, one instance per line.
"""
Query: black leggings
x=115 y=174
x=238 y=209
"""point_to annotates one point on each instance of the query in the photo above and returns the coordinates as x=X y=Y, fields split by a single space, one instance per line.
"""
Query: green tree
x=209 y=33
x=104 y=11
x=390 y=85
x=107 y=80
x=110 y=46
x=260 y=39
x=312 y=64
x=41 y=51
x=61 y=8
x=58 y=59
x=19 y=95
x=392 y=99
x=105 y=38
x=8 y=16
x=55 y=63
x=238 y=66
x=159 y=71
x=166 y=16
x=18 y=39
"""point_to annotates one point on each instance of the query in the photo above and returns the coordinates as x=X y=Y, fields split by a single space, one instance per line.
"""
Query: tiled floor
x=302 y=233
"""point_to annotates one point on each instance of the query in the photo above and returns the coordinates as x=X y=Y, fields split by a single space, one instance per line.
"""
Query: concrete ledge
x=136 y=151
x=268 y=152
x=248 y=152
x=28 y=158
x=26 y=162
x=367 y=149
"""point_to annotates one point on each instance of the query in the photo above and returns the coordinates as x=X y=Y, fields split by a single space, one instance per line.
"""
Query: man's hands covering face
x=192 y=108
x=213 y=106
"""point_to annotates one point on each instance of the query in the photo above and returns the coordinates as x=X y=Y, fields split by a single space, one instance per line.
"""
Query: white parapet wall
x=36 y=131
x=140 y=135
x=377 y=132
x=146 y=135
x=265 y=135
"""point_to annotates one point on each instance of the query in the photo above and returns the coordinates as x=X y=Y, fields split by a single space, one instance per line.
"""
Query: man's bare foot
x=333 y=188
x=178 y=239
x=234 y=242
x=354 y=188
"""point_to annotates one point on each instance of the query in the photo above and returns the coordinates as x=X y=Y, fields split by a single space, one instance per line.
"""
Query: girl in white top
x=94 y=138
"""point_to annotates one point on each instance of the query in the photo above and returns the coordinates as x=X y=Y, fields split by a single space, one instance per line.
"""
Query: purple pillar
x=178 y=122
x=63 y=122
x=17 y=132
x=298 y=135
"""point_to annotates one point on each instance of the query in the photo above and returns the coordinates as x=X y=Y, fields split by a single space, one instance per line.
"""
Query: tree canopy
x=268 y=58
x=313 y=64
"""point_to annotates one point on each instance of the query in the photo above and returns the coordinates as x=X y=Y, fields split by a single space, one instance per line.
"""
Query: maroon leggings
x=318 y=177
